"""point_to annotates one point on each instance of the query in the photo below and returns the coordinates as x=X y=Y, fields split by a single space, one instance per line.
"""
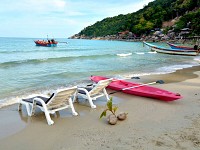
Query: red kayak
x=139 y=89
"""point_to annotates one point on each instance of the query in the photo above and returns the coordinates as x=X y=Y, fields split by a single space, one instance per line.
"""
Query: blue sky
x=58 y=18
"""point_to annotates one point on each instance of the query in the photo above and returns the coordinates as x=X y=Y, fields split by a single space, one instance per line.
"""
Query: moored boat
x=164 y=50
x=173 y=46
x=139 y=89
x=48 y=43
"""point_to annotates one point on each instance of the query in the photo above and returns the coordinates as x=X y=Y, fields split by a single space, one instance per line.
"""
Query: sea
x=27 y=69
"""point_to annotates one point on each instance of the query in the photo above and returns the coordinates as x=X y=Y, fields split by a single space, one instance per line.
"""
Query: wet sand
x=151 y=124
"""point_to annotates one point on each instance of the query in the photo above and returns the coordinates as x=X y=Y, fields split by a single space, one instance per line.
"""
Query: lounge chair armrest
x=39 y=100
x=91 y=85
x=82 y=89
x=35 y=100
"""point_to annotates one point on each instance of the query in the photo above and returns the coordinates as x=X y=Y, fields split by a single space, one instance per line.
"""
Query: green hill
x=150 y=17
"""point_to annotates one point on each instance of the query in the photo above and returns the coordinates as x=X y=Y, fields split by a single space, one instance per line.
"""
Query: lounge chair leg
x=106 y=94
x=44 y=109
x=91 y=103
x=107 y=97
x=49 y=121
x=19 y=107
x=75 y=99
x=28 y=109
x=33 y=108
x=72 y=107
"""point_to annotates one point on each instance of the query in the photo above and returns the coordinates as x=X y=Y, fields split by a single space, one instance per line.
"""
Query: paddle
x=159 y=81
x=135 y=77
x=115 y=80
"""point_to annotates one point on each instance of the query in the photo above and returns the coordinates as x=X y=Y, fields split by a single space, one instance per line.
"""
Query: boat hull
x=144 y=91
x=45 y=43
x=172 y=51
x=173 y=46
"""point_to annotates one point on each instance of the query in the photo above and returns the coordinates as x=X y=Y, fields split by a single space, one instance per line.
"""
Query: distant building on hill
x=126 y=35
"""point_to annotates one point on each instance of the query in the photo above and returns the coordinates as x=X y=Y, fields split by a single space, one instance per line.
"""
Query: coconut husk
x=112 y=119
x=122 y=116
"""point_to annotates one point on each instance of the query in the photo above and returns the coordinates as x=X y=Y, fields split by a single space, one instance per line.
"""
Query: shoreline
x=151 y=124
x=11 y=100
x=182 y=74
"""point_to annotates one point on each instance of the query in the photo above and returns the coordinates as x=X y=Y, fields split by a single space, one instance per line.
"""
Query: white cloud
x=59 y=3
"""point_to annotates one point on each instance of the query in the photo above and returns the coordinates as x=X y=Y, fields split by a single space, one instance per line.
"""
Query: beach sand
x=151 y=124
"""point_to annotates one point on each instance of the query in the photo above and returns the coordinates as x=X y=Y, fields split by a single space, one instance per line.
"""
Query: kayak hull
x=144 y=91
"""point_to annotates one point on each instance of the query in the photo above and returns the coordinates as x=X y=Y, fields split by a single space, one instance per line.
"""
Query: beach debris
x=122 y=116
x=135 y=77
x=112 y=118
x=178 y=94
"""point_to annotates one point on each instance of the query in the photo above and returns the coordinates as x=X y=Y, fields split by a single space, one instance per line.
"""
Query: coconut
x=112 y=119
x=122 y=116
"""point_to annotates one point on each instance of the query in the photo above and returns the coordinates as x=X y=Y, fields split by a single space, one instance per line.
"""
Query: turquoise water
x=26 y=69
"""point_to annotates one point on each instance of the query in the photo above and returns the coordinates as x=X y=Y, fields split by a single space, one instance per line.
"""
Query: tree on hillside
x=150 y=17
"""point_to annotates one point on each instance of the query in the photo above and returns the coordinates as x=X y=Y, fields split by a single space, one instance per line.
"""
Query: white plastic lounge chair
x=59 y=100
x=94 y=92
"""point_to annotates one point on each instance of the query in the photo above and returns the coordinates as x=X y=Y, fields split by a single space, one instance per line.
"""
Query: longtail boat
x=138 y=89
x=47 y=43
x=164 y=50
x=173 y=46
